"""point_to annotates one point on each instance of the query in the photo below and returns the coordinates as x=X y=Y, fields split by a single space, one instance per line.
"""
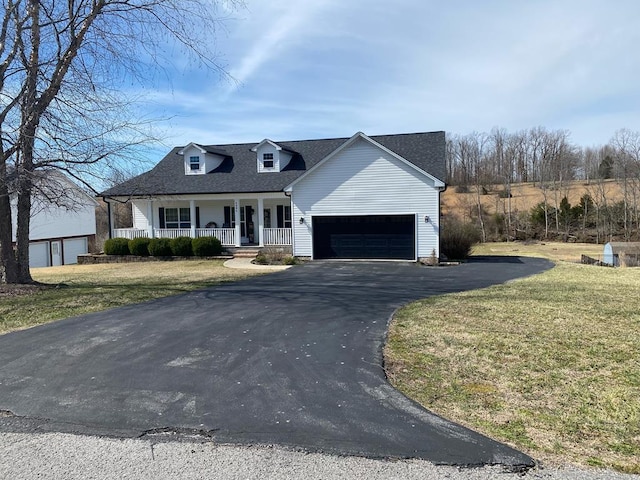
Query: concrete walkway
x=241 y=263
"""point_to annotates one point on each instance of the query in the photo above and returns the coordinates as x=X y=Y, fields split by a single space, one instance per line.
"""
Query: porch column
x=260 y=222
x=236 y=216
x=150 y=219
x=192 y=214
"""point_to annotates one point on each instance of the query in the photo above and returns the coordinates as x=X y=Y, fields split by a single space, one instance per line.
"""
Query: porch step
x=244 y=252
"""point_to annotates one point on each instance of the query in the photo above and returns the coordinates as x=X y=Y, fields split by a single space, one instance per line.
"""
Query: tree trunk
x=22 y=232
x=8 y=266
x=23 y=212
x=480 y=219
x=30 y=118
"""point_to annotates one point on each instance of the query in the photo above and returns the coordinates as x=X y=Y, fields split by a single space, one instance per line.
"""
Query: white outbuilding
x=621 y=253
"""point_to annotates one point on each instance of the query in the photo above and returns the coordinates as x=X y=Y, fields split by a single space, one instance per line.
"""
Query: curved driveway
x=293 y=358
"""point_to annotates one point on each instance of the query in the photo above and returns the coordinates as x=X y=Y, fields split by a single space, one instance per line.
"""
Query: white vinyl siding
x=365 y=180
x=52 y=221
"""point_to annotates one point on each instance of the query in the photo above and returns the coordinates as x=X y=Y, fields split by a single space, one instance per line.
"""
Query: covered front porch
x=264 y=220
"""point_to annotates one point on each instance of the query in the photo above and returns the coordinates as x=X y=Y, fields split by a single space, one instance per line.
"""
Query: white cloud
x=326 y=68
x=273 y=31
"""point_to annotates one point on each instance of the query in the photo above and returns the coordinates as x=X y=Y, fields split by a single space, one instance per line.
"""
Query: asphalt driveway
x=293 y=358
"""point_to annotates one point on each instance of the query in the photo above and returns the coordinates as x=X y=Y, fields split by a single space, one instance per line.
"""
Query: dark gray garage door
x=365 y=236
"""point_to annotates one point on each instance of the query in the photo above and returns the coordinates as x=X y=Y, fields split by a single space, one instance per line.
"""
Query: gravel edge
x=69 y=456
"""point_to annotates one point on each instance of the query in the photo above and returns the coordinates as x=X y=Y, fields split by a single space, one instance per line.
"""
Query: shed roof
x=626 y=247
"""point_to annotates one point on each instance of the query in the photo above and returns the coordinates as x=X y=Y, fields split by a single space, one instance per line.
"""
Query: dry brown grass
x=548 y=364
x=556 y=251
x=525 y=196
x=181 y=273
x=77 y=289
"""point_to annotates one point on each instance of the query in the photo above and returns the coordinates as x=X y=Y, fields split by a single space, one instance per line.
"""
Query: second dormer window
x=267 y=160
x=194 y=163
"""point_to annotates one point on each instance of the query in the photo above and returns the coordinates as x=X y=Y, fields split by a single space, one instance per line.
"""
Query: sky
x=330 y=68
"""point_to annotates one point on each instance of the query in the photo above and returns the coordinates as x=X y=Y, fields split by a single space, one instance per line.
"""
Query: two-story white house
x=372 y=197
x=63 y=220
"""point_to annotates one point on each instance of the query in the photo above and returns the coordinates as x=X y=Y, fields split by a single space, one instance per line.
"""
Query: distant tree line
x=547 y=159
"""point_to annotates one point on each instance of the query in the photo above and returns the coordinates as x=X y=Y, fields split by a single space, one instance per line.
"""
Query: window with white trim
x=194 y=163
x=267 y=160
x=283 y=216
x=177 y=218
x=287 y=216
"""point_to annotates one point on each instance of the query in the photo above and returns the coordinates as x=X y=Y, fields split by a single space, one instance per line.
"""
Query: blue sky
x=329 y=68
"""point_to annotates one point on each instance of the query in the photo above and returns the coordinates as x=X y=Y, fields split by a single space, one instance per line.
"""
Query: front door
x=56 y=253
x=247 y=231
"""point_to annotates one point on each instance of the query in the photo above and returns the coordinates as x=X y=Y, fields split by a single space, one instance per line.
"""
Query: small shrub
x=206 y=246
x=290 y=260
x=274 y=255
x=462 y=189
x=181 y=246
x=261 y=259
x=117 y=246
x=457 y=239
x=496 y=227
x=431 y=259
x=139 y=246
x=160 y=247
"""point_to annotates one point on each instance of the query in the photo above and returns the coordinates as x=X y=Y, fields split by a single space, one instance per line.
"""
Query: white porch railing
x=172 y=232
x=277 y=236
x=226 y=236
x=130 y=233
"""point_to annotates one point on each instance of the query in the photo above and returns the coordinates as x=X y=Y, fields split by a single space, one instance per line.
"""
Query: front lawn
x=77 y=289
x=549 y=364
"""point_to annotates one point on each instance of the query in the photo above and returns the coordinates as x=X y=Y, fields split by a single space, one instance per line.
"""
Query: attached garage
x=364 y=237
x=365 y=200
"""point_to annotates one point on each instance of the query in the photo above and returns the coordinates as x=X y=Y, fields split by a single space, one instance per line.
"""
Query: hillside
x=602 y=218
x=525 y=196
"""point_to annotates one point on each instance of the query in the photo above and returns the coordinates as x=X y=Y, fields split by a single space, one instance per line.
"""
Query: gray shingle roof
x=238 y=172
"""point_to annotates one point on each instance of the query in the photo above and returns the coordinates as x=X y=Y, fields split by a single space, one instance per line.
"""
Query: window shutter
x=197 y=217
x=280 y=216
x=161 y=215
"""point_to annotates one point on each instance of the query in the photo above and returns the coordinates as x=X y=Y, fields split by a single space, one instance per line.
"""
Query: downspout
x=104 y=199
x=440 y=192
x=293 y=223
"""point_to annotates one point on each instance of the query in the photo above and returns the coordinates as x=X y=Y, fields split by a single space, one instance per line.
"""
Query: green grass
x=549 y=364
x=77 y=289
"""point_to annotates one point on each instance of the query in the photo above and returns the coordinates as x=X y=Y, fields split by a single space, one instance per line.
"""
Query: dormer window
x=199 y=160
x=271 y=157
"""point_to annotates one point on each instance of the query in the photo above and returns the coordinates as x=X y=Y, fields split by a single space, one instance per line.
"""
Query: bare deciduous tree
x=61 y=65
